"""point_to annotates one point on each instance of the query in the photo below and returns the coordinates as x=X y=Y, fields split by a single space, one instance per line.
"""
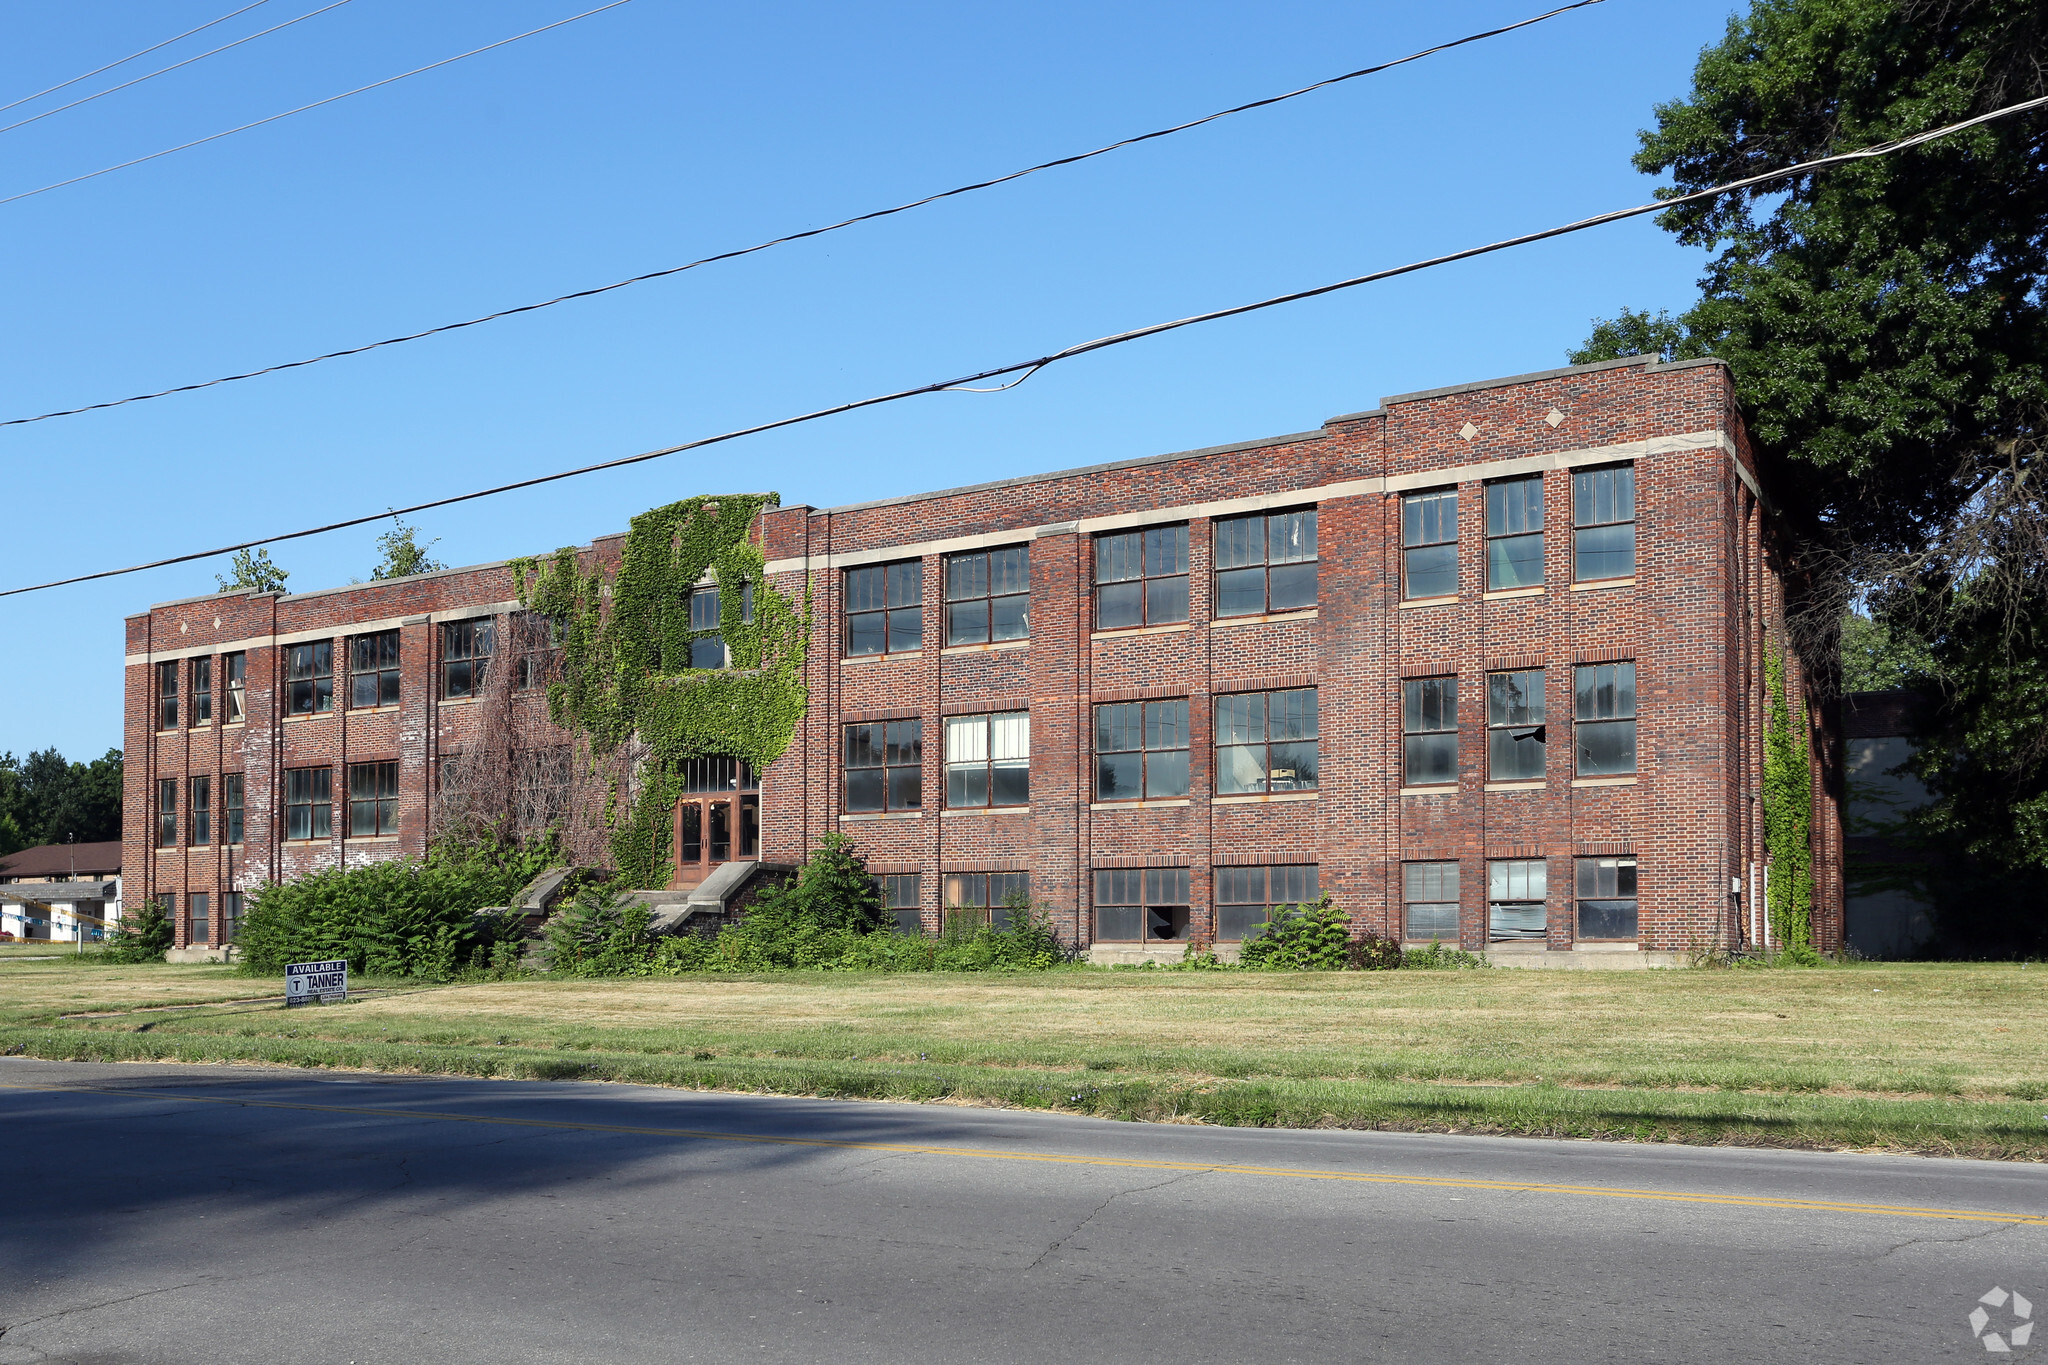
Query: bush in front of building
x=1303 y=938
x=143 y=936
x=406 y=917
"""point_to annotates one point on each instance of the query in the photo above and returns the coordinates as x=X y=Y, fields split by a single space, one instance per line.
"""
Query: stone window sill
x=1163 y=803
x=1225 y=622
x=1261 y=798
x=989 y=648
x=1428 y=602
x=1499 y=593
x=884 y=815
x=1601 y=585
x=458 y=701
x=307 y=715
x=1515 y=786
x=854 y=660
x=369 y=838
x=392 y=709
x=1123 y=632
x=1604 y=782
x=1437 y=789
x=950 y=812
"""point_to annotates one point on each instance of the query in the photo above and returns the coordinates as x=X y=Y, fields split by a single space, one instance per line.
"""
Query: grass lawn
x=1946 y=1058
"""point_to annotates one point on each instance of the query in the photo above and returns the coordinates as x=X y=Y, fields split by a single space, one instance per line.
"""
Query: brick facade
x=1691 y=621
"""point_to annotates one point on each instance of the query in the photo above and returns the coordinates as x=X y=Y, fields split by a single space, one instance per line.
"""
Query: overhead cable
x=374 y=85
x=809 y=232
x=1026 y=368
x=65 y=85
x=88 y=99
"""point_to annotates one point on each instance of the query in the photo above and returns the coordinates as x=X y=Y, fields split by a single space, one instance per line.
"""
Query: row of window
x=1264 y=742
x=199 y=928
x=1152 y=904
x=1264 y=563
x=372 y=677
x=309 y=805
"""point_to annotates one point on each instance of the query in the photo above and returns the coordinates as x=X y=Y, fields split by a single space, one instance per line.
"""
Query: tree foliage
x=253 y=572
x=403 y=555
x=143 y=936
x=46 y=800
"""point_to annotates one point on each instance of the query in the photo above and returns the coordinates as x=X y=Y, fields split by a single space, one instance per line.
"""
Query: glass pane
x=1604 y=552
x=720 y=839
x=1118 y=777
x=387 y=693
x=1514 y=698
x=707 y=651
x=906 y=742
x=966 y=739
x=1432 y=572
x=1431 y=759
x=1291 y=586
x=1438 y=920
x=1291 y=715
x=1241 y=769
x=1119 y=558
x=867 y=633
x=750 y=828
x=1429 y=518
x=1009 y=735
x=1118 y=605
x=909 y=920
x=1240 y=541
x=1166 y=724
x=906 y=584
x=1009 y=571
x=1291 y=537
x=1513 y=921
x=1514 y=755
x=1237 y=922
x=693 y=832
x=1117 y=726
x=1514 y=562
x=1166 y=886
x=458 y=678
x=1607 y=919
x=866 y=589
x=966 y=888
x=1293 y=766
x=365 y=690
x=864 y=789
x=1241 y=885
x=1009 y=618
x=298 y=822
x=1166 y=551
x=1166 y=774
x=1241 y=719
x=906 y=629
x=1606 y=748
x=1166 y=600
x=906 y=788
x=1291 y=885
x=1012 y=784
x=1119 y=886
x=967 y=784
x=704 y=609
x=323 y=819
x=966 y=576
x=1241 y=592
x=1120 y=923
x=967 y=623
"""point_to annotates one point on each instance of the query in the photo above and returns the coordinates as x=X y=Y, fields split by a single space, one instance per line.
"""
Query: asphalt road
x=170 y=1214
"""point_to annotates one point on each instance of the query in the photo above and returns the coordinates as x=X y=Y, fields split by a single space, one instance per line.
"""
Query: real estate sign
x=305 y=982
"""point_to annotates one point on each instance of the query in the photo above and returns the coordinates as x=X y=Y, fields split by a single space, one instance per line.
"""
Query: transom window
x=202 y=810
x=1607 y=898
x=707 y=646
x=1429 y=731
x=988 y=596
x=1266 y=563
x=1514 y=726
x=372 y=799
x=985 y=897
x=167 y=695
x=309 y=678
x=988 y=759
x=1429 y=896
x=885 y=608
x=465 y=653
x=1141 y=750
x=900 y=900
x=1604 y=706
x=718 y=775
x=1429 y=544
x=309 y=803
x=1604 y=523
x=373 y=669
x=885 y=765
x=236 y=667
x=166 y=812
x=1137 y=904
x=1246 y=897
x=202 y=691
x=1266 y=742
x=1516 y=892
x=1141 y=577
x=1514 y=533
x=232 y=804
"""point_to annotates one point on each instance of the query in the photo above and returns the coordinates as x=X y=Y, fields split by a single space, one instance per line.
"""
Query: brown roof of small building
x=58 y=860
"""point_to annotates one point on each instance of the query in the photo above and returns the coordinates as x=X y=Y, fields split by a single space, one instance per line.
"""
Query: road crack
x=1075 y=1231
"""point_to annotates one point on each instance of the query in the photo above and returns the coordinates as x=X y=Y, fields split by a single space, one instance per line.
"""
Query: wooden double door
x=718 y=819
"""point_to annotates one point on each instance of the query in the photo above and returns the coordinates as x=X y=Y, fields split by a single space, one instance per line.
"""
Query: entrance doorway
x=718 y=819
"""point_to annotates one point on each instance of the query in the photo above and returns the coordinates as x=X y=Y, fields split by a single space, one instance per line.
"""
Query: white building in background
x=59 y=891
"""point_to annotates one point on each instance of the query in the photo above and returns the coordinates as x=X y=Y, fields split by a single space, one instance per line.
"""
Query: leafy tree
x=253 y=572
x=142 y=936
x=403 y=555
x=1879 y=657
x=46 y=800
x=1634 y=332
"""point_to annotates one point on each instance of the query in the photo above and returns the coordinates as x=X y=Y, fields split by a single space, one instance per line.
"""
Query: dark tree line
x=46 y=800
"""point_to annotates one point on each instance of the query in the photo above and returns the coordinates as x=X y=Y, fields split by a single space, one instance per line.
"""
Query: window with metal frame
x=885 y=765
x=235 y=667
x=1246 y=897
x=309 y=803
x=534 y=638
x=1604 y=709
x=230 y=916
x=988 y=760
x=373 y=669
x=1141 y=904
x=985 y=897
x=900 y=898
x=1141 y=577
x=1515 y=734
x=309 y=678
x=202 y=691
x=1604 y=523
x=701 y=775
x=1266 y=742
x=885 y=608
x=1266 y=563
x=202 y=811
x=1516 y=900
x=167 y=695
x=707 y=646
x=1429 y=544
x=465 y=656
x=201 y=929
x=372 y=800
x=1429 y=898
x=1141 y=750
x=231 y=801
x=1607 y=898
x=167 y=812
x=1429 y=731
x=1514 y=533
x=988 y=596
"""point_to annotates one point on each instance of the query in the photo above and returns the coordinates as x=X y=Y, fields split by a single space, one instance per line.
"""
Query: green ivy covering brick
x=1788 y=816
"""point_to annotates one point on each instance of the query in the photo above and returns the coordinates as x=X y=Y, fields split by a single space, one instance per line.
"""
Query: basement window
x=1516 y=891
x=1141 y=904
x=1429 y=895
x=977 y=898
x=1246 y=897
x=1607 y=898
x=901 y=892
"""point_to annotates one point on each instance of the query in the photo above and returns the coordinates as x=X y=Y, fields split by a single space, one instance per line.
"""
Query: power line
x=811 y=232
x=215 y=137
x=88 y=99
x=1026 y=368
x=65 y=85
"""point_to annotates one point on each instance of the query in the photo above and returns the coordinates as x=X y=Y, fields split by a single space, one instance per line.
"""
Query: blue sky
x=661 y=131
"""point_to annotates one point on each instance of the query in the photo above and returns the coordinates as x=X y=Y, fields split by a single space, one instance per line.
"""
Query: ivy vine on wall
x=626 y=685
x=1788 y=814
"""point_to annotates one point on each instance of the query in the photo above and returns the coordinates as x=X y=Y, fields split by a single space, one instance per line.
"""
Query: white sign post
x=305 y=982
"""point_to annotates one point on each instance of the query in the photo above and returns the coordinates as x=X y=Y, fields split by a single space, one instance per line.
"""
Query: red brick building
x=1485 y=663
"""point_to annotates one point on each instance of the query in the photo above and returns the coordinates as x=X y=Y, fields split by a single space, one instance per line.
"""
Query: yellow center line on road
x=1076 y=1159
